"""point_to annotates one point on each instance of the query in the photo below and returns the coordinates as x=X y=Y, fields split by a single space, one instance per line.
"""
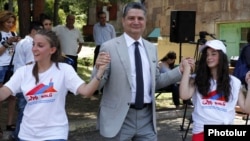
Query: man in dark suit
x=119 y=117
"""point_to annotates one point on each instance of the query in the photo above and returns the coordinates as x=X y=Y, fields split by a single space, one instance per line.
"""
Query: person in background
x=214 y=91
x=7 y=46
x=46 y=22
x=127 y=108
x=70 y=38
x=247 y=51
x=45 y=85
x=24 y=56
x=102 y=31
x=47 y=25
x=243 y=63
x=168 y=63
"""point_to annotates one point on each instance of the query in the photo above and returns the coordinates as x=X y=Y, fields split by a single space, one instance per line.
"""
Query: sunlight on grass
x=85 y=67
x=164 y=101
x=90 y=115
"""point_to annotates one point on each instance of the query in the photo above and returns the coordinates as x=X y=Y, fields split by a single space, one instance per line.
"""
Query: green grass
x=90 y=44
x=164 y=101
x=85 y=67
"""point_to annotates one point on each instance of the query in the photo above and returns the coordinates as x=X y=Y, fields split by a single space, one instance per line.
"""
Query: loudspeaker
x=182 y=26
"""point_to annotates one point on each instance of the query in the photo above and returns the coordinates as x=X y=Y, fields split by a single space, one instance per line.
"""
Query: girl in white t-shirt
x=45 y=85
x=214 y=92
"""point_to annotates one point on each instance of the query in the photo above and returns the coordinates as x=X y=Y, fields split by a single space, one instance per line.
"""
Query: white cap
x=215 y=44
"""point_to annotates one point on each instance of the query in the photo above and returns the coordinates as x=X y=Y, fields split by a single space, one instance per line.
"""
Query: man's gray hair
x=133 y=5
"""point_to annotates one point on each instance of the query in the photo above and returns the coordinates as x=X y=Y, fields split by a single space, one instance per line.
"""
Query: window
x=244 y=31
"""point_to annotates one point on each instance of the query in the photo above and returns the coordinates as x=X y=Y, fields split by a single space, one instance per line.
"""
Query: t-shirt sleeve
x=14 y=84
x=72 y=79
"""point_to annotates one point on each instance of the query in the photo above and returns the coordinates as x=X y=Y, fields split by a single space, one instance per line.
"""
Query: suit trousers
x=138 y=126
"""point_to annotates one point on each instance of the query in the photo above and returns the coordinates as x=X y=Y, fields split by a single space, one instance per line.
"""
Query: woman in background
x=7 y=47
x=46 y=21
x=167 y=63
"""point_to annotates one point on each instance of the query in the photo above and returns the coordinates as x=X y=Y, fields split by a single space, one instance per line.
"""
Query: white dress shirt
x=145 y=67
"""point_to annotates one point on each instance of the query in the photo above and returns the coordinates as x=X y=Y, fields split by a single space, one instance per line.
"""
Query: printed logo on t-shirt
x=214 y=100
x=41 y=94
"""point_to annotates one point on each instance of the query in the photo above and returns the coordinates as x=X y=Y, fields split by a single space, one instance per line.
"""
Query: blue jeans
x=21 y=103
x=3 y=70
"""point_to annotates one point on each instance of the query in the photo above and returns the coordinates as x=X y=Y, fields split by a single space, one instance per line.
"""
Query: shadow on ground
x=79 y=108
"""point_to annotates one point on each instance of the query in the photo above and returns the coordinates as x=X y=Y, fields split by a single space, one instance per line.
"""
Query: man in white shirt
x=71 y=39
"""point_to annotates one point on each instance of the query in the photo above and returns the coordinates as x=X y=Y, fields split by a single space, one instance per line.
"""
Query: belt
x=144 y=106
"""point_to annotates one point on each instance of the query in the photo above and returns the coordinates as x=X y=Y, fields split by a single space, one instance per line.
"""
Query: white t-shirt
x=44 y=115
x=69 y=39
x=6 y=56
x=213 y=109
x=23 y=52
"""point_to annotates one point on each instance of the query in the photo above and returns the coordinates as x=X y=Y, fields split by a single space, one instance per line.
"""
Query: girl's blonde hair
x=5 y=16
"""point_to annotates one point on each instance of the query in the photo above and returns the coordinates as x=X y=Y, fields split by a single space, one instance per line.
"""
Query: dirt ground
x=79 y=108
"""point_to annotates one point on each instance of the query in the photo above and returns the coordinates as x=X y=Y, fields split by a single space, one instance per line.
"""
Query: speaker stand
x=196 y=54
x=180 y=53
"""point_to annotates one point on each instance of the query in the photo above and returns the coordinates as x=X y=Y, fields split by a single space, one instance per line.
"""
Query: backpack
x=241 y=67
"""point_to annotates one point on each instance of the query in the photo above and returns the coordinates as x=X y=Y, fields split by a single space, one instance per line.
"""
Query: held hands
x=102 y=60
x=187 y=64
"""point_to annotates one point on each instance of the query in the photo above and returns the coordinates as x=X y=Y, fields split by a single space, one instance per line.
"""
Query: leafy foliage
x=49 y=5
x=79 y=8
x=4 y=4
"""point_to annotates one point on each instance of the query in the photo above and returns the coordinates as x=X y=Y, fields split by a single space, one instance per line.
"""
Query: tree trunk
x=28 y=13
x=56 y=8
x=24 y=13
x=38 y=8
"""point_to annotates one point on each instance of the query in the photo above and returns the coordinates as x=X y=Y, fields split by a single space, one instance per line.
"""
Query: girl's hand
x=187 y=64
x=102 y=60
x=13 y=39
x=247 y=78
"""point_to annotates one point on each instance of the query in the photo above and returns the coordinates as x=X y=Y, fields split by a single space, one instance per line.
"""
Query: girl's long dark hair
x=204 y=76
x=55 y=57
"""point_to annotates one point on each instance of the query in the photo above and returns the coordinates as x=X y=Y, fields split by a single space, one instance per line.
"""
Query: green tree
x=56 y=9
